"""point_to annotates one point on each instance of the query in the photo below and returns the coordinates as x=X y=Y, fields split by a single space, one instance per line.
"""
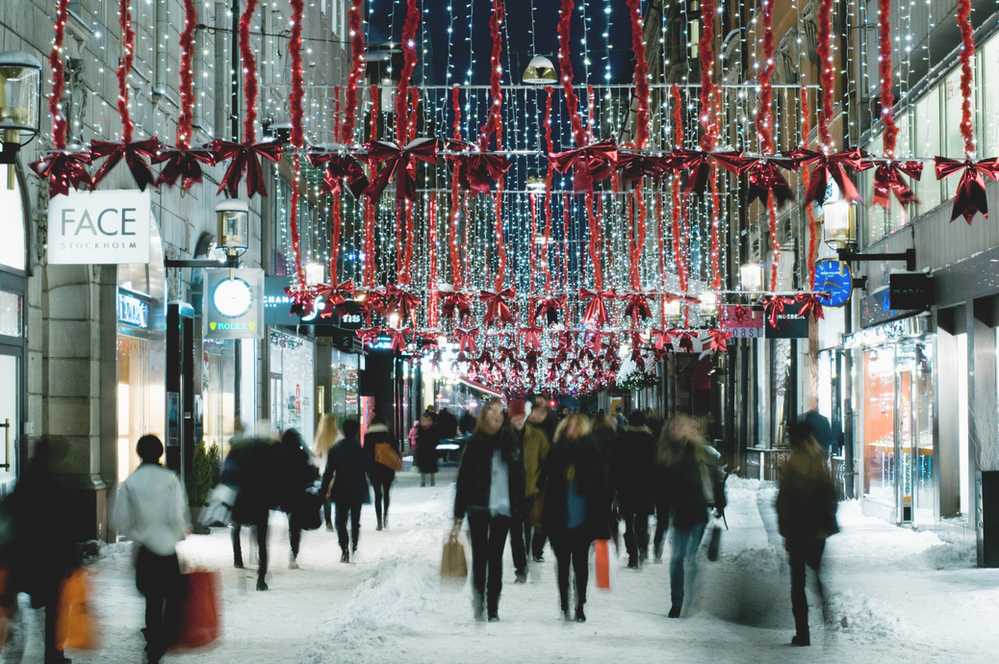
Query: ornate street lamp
x=233 y=217
x=540 y=71
x=20 y=105
x=751 y=277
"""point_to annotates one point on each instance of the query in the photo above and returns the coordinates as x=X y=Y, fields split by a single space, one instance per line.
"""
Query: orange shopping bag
x=198 y=623
x=605 y=557
x=75 y=625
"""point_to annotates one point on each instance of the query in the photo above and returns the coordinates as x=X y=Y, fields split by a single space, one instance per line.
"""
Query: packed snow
x=894 y=595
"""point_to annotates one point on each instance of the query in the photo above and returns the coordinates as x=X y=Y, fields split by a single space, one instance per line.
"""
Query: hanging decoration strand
x=297 y=134
x=641 y=74
x=249 y=75
x=125 y=68
x=967 y=54
x=59 y=124
x=409 y=28
x=884 y=71
x=550 y=148
x=826 y=74
x=813 y=238
x=679 y=251
x=186 y=87
x=706 y=54
x=357 y=66
x=764 y=124
x=494 y=121
x=565 y=71
x=456 y=271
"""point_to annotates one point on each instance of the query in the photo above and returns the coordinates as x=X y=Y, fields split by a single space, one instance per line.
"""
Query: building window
x=926 y=141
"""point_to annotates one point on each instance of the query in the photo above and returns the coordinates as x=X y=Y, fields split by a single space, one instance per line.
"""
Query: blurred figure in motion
x=448 y=423
x=381 y=476
x=536 y=445
x=544 y=418
x=631 y=473
x=689 y=472
x=326 y=438
x=346 y=470
x=806 y=514
x=151 y=509
x=490 y=480
x=297 y=475
x=517 y=412
x=40 y=552
x=427 y=439
x=577 y=505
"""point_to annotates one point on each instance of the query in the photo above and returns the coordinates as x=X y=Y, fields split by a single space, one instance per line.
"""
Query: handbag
x=386 y=455
x=713 y=541
x=453 y=563
x=198 y=624
x=604 y=567
x=74 y=622
x=306 y=514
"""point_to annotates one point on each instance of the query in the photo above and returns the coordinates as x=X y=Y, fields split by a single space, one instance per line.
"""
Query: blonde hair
x=582 y=425
x=682 y=431
x=326 y=436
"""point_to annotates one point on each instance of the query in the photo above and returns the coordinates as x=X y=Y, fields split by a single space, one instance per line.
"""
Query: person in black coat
x=298 y=474
x=631 y=477
x=577 y=504
x=448 y=424
x=381 y=476
x=490 y=481
x=346 y=469
x=427 y=439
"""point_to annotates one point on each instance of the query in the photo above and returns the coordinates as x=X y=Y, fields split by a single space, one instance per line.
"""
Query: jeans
x=572 y=548
x=636 y=533
x=685 y=544
x=801 y=553
x=487 y=535
x=662 y=521
x=259 y=522
x=517 y=544
x=158 y=579
x=343 y=510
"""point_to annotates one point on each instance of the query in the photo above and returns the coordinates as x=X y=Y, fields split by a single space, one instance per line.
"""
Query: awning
x=480 y=387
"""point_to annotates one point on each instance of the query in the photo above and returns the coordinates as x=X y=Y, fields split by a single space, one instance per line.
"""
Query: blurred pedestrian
x=381 y=476
x=619 y=417
x=448 y=423
x=466 y=425
x=326 y=438
x=806 y=515
x=577 y=506
x=690 y=473
x=40 y=550
x=543 y=417
x=151 y=508
x=411 y=437
x=297 y=475
x=517 y=412
x=536 y=445
x=346 y=471
x=821 y=430
x=427 y=439
x=631 y=477
x=490 y=479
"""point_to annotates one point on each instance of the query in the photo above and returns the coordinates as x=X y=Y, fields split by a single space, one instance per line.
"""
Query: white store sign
x=100 y=227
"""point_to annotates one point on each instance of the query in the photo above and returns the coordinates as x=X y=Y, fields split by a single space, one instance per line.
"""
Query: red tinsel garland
x=826 y=74
x=706 y=54
x=494 y=120
x=813 y=237
x=59 y=124
x=297 y=133
x=124 y=68
x=677 y=203
x=186 y=77
x=409 y=28
x=249 y=74
x=966 y=56
x=764 y=125
x=774 y=242
x=357 y=66
x=456 y=271
x=884 y=71
x=432 y=256
x=565 y=71
x=550 y=148
x=641 y=74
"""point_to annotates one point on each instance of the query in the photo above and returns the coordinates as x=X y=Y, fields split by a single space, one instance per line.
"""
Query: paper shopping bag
x=197 y=621
x=75 y=626
x=605 y=563
x=453 y=564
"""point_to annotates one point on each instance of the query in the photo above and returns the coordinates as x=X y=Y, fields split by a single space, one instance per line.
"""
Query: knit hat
x=517 y=407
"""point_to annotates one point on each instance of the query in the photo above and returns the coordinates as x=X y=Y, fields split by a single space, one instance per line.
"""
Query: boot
x=379 y=526
x=801 y=639
x=344 y=556
x=385 y=520
x=580 y=616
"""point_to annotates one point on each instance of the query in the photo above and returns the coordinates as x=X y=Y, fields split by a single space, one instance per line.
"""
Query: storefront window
x=926 y=141
x=879 y=424
x=292 y=384
x=343 y=386
x=134 y=407
x=988 y=77
x=10 y=314
x=220 y=374
x=11 y=224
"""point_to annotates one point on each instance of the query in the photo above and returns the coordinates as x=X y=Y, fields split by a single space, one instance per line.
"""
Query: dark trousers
x=158 y=579
x=686 y=541
x=488 y=538
x=295 y=535
x=260 y=526
x=517 y=544
x=662 y=520
x=328 y=512
x=636 y=533
x=534 y=536
x=572 y=549
x=802 y=553
x=344 y=509
x=381 y=484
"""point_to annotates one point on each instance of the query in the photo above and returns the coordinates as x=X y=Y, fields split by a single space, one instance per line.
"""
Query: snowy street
x=895 y=596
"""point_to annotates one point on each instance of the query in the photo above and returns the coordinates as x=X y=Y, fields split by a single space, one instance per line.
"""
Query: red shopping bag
x=605 y=557
x=75 y=626
x=198 y=623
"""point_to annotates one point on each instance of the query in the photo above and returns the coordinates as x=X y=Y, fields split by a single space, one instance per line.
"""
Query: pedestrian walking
x=297 y=475
x=490 y=478
x=577 y=506
x=326 y=437
x=631 y=477
x=346 y=471
x=690 y=473
x=381 y=476
x=536 y=445
x=806 y=516
x=517 y=411
x=544 y=417
x=427 y=439
x=151 y=508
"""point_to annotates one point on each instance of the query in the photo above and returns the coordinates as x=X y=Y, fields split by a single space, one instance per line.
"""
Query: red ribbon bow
x=476 y=167
x=134 y=153
x=532 y=336
x=698 y=165
x=466 y=339
x=549 y=306
x=830 y=168
x=970 y=198
x=245 y=159
x=64 y=169
x=718 y=340
x=596 y=311
x=399 y=341
x=637 y=307
x=764 y=179
x=456 y=302
x=183 y=165
x=497 y=305
x=774 y=307
x=589 y=164
x=662 y=341
x=367 y=334
x=303 y=301
x=401 y=301
x=888 y=180
x=810 y=305
x=338 y=298
x=339 y=168
x=398 y=163
x=635 y=166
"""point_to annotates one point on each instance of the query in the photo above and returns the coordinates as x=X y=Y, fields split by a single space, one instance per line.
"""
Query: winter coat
x=249 y=467
x=582 y=461
x=631 y=470
x=806 y=501
x=475 y=472
x=693 y=483
x=534 y=444
x=346 y=467
x=448 y=424
x=297 y=471
x=378 y=433
x=426 y=449
x=549 y=425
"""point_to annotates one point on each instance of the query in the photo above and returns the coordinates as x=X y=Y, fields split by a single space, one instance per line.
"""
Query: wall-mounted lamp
x=709 y=303
x=840 y=221
x=751 y=277
x=20 y=105
x=233 y=216
x=315 y=274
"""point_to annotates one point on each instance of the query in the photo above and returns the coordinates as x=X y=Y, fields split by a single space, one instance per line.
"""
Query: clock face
x=833 y=277
x=232 y=297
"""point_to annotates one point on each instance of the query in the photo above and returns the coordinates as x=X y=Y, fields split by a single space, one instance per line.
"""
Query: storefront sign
x=233 y=307
x=789 y=324
x=895 y=330
x=379 y=343
x=744 y=322
x=99 y=227
x=132 y=311
x=277 y=310
x=910 y=291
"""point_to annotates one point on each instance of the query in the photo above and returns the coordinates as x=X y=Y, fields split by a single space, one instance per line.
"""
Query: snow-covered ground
x=895 y=595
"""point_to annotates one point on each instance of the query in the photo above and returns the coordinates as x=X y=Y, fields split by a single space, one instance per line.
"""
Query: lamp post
x=751 y=277
x=20 y=105
x=233 y=218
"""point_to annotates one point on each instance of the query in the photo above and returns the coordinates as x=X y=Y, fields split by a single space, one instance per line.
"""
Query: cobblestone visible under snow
x=895 y=595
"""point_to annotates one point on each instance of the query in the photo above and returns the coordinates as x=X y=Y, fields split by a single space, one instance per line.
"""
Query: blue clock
x=833 y=277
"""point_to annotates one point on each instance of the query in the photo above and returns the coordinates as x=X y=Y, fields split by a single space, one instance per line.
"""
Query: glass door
x=914 y=430
x=903 y=442
x=10 y=409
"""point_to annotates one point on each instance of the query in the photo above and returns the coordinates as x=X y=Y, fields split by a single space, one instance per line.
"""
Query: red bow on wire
x=635 y=166
x=399 y=341
x=398 y=163
x=637 y=307
x=596 y=311
x=888 y=180
x=338 y=298
x=685 y=339
x=970 y=197
x=475 y=167
x=830 y=168
x=376 y=300
x=589 y=164
x=339 y=167
x=497 y=305
x=698 y=165
x=367 y=334
x=456 y=302
x=134 y=153
x=717 y=340
x=183 y=165
x=532 y=336
x=764 y=179
x=466 y=339
x=595 y=341
x=741 y=313
x=662 y=341
x=549 y=306
x=401 y=301
x=303 y=301
x=774 y=307
x=810 y=305
x=245 y=159
x=64 y=169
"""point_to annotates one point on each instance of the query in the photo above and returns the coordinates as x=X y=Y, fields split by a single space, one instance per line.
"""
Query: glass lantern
x=751 y=277
x=20 y=104
x=839 y=219
x=540 y=71
x=233 y=217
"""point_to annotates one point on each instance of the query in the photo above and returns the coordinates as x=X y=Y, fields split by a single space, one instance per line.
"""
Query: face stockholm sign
x=99 y=227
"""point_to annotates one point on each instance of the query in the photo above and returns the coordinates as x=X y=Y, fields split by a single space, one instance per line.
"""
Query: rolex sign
x=99 y=227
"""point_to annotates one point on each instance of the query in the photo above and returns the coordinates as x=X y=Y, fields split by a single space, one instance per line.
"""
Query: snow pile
x=863 y=620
